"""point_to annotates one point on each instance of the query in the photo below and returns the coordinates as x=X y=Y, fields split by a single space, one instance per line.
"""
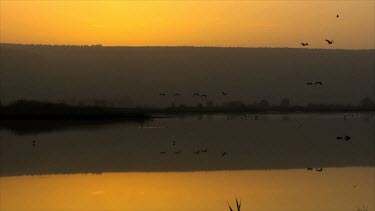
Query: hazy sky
x=197 y=23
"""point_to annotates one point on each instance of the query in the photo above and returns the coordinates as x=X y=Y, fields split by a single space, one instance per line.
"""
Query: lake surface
x=151 y=165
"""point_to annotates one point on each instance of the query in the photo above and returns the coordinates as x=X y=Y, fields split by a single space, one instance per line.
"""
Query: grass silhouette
x=238 y=205
x=363 y=208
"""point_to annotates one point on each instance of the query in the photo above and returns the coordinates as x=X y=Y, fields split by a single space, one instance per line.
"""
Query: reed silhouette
x=363 y=208
x=238 y=205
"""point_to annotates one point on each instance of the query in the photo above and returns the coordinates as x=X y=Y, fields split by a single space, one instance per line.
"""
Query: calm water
x=119 y=166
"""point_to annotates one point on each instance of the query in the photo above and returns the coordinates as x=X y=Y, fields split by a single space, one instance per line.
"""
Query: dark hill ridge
x=129 y=76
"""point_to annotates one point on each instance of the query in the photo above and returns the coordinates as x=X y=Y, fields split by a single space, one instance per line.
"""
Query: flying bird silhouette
x=309 y=83
x=304 y=44
x=320 y=169
x=196 y=94
x=163 y=153
x=196 y=152
x=223 y=154
x=177 y=94
x=346 y=138
x=318 y=83
x=204 y=96
x=223 y=93
x=162 y=94
x=329 y=42
x=309 y=169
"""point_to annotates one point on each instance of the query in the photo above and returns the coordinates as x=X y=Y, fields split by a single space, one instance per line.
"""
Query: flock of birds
x=345 y=138
x=329 y=42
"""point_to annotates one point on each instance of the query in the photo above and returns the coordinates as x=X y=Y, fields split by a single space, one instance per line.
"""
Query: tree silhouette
x=285 y=102
x=210 y=104
x=264 y=104
x=367 y=103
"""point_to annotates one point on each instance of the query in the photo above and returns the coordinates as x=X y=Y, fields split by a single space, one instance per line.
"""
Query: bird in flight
x=196 y=152
x=304 y=44
x=309 y=83
x=329 y=42
x=223 y=154
x=223 y=93
x=346 y=138
x=321 y=169
x=195 y=94
x=163 y=153
x=309 y=169
x=318 y=83
x=162 y=94
x=204 y=96
x=177 y=94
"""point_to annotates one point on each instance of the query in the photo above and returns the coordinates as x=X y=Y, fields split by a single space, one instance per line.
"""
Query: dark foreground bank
x=24 y=110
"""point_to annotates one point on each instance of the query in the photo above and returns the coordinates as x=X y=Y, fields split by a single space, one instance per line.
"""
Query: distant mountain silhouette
x=132 y=76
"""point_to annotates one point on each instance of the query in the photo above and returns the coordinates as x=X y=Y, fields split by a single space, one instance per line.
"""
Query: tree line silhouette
x=31 y=109
x=48 y=110
x=366 y=104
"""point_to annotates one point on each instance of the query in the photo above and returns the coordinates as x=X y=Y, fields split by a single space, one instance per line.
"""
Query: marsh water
x=191 y=162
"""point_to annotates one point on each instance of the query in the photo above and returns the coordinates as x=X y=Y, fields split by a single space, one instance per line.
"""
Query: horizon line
x=180 y=46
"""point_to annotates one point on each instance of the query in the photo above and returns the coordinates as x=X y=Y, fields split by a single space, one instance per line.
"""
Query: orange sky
x=192 y=23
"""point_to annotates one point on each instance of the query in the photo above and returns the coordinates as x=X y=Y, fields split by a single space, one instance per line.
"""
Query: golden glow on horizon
x=192 y=23
x=331 y=189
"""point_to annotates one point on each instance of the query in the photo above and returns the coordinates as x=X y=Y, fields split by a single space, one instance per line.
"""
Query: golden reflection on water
x=332 y=189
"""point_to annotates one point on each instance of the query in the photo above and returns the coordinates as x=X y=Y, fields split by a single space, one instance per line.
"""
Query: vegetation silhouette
x=238 y=205
x=30 y=109
x=285 y=106
x=36 y=110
